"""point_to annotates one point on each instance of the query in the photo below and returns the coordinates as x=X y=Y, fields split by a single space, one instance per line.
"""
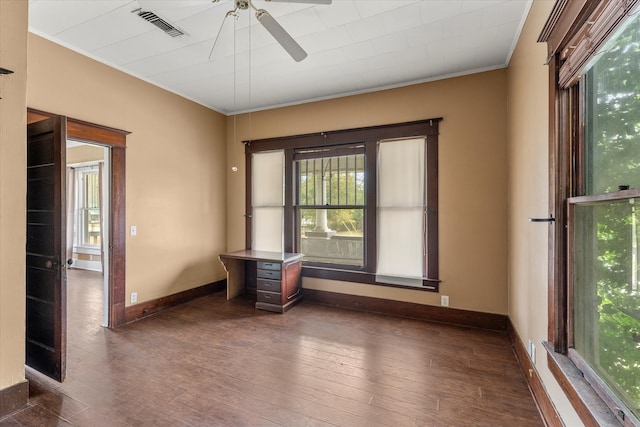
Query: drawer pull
x=264 y=265
x=269 y=274
x=268 y=285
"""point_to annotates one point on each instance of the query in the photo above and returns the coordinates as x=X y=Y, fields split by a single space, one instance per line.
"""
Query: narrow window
x=88 y=207
x=268 y=201
x=401 y=212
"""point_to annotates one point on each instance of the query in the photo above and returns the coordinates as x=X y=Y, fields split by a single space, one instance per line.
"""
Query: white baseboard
x=87 y=265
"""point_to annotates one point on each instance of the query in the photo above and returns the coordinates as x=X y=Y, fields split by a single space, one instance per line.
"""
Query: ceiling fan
x=271 y=25
x=268 y=22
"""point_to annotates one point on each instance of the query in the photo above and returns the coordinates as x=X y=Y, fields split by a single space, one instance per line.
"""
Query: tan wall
x=473 y=175
x=528 y=197
x=84 y=153
x=13 y=164
x=176 y=181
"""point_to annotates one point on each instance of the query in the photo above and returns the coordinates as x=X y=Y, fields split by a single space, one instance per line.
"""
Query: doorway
x=87 y=237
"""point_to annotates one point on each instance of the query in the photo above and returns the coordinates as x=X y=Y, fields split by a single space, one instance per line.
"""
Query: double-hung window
x=88 y=207
x=330 y=205
x=595 y=311
x=360 y=204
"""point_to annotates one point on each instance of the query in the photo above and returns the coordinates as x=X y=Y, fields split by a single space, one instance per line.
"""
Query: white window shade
x=267 y=226
x=401 y=209
x=268 y=179
x=268 y=201
x=401 y=173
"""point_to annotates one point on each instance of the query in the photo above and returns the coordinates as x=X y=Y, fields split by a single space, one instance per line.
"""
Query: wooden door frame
x=116 y=140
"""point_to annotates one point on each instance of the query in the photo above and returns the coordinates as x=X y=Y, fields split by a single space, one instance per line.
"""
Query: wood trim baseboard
x=541 y=398
x=497 y=322
x=147 y=308
x=14 y=398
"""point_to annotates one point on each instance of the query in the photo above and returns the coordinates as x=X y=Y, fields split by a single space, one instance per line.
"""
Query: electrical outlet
x=134 y=230
x=134 y=297
x=444 y=300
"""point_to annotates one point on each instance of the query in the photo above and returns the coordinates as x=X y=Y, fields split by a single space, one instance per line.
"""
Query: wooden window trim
x=369 y=136
x=574 y=32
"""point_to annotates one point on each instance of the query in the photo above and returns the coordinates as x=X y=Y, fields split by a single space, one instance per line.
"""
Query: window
x=402 y=210
x=268 y=201
x=330 y=205
x=88 y=207
x=594 y=315
x=360 y=204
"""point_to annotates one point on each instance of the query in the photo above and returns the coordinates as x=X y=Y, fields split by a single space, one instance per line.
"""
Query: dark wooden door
x=46 y=337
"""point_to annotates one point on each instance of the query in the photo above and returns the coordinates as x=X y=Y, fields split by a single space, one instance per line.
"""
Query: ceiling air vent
x=159 y=22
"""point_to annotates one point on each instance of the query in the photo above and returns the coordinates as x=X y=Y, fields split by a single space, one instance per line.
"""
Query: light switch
x=134 y=230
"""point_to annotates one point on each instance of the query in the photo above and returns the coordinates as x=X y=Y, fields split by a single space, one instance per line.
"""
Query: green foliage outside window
x=607 y=306
x=343 y=179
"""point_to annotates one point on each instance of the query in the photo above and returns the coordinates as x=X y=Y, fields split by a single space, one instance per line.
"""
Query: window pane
x=268 y=179
x=613 y=114
x=400 y=237
x=267 y=225
x=401 y=173
x=91 y=224
x=332 y=181
x=332 y=236
x=606 y=298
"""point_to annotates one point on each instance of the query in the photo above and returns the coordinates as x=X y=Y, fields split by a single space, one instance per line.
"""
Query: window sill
x=429 y=285
x=589 y=406
x=87 y=250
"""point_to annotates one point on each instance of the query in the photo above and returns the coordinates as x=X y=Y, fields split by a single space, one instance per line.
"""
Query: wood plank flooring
x=214 y=362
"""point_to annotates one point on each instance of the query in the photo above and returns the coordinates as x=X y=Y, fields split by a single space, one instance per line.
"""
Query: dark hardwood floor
x=214 y=362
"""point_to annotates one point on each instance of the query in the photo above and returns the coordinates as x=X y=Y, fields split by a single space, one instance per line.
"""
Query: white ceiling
x=353 y=46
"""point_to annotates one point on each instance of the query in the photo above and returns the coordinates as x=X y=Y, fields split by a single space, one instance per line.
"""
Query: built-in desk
x=274 y=277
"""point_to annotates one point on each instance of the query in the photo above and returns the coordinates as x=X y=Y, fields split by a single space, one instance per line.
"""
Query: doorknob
x=69 y=262
x=50 y=263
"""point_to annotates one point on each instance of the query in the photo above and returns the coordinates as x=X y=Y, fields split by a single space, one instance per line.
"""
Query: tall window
x=595 y=311
x=330 y=205
x=402 y=209
x=360 y=204
x=268 y=201
x=88 y=207
x=605 y=222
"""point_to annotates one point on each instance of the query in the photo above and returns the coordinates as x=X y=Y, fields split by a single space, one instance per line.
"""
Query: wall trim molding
x=14 y=398
x=497 y=322
x=147 y=308
x=545 y=406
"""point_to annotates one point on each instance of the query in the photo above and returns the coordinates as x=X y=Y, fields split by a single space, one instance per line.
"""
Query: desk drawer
x=269 y=274
x=266 y=265
x=269 y=297
x=269 y=285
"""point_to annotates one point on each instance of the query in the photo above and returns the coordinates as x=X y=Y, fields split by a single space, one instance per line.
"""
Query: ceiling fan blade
x=281 y=36
x=302 y=1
